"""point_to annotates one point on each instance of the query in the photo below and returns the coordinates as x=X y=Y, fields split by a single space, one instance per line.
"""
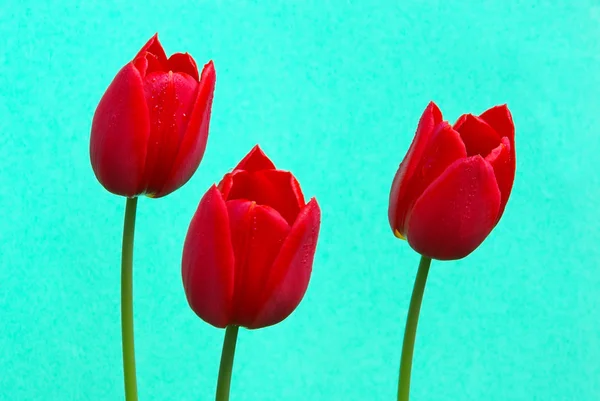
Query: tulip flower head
x=150 y=128
x=453 y=184
x=249 y=250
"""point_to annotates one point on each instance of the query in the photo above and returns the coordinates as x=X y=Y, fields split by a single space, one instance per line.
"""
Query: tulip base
x=127 y=301
x=411 y=329
x=226 y=368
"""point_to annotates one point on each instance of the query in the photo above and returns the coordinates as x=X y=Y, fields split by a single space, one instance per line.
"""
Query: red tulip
x=453 y=184
x=150 y=129
x=249 y=250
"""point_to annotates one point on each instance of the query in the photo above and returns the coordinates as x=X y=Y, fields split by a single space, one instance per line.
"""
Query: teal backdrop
x=331 y=90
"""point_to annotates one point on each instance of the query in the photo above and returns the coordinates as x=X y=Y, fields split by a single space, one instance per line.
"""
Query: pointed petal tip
x=208 y=69
x=257 y=151
x=154 y=39
x=255 y=160
x=433 y=105
x=312 y=206
x=435 y=112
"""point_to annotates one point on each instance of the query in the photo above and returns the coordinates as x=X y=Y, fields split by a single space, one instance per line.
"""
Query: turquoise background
x=332 y=90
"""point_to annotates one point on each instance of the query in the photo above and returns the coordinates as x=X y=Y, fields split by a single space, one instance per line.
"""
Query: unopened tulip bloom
x=448 y=194
x=148 y=136
x=249 y=249
x=150 y=128
x=453 y=184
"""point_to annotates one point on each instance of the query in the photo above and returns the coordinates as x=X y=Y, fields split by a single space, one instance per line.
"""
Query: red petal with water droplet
x=291 y=271
x=257 y=233
x=170 y=97
x=443 y=147
x=193 y=144
x=183 y=62
x=432 y=116
x=456 y=212
x=153 y=52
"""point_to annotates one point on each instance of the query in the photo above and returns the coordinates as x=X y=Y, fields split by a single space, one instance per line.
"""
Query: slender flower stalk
x=411 y=329
x=224 y=380
x=127 y=301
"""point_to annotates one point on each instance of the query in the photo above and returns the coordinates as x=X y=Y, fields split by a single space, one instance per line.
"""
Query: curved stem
x=127 y=301
x=226 y=367
x=411 y=329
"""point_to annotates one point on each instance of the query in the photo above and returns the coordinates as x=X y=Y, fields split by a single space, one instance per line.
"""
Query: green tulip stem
x=411 y=329
x=226 y=367
x=127 y=301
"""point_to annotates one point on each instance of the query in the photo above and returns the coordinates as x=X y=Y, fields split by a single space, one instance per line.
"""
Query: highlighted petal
x=257 y=234
x=291 y=271
x=457 y=212
x=432 y=116
x=444 y=147
x=208 y=261
x=120 y=132
x=193 y=144
x=170 y=97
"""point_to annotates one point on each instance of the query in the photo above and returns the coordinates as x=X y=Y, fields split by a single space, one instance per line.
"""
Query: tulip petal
x=444 y=147
x=155 y=55
x=170 y=97
x=500 y=119
x=257 y=233
x=479 y=138
x=282 y=192
x=432 y=116
x=255 y=160
x=504 y=169
x=291 y=271
x=275 y=188
x=193 y=144
x=208 y=261
x=120 y=132
x=456 y=212
x=183 y=62
x=225 y=184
